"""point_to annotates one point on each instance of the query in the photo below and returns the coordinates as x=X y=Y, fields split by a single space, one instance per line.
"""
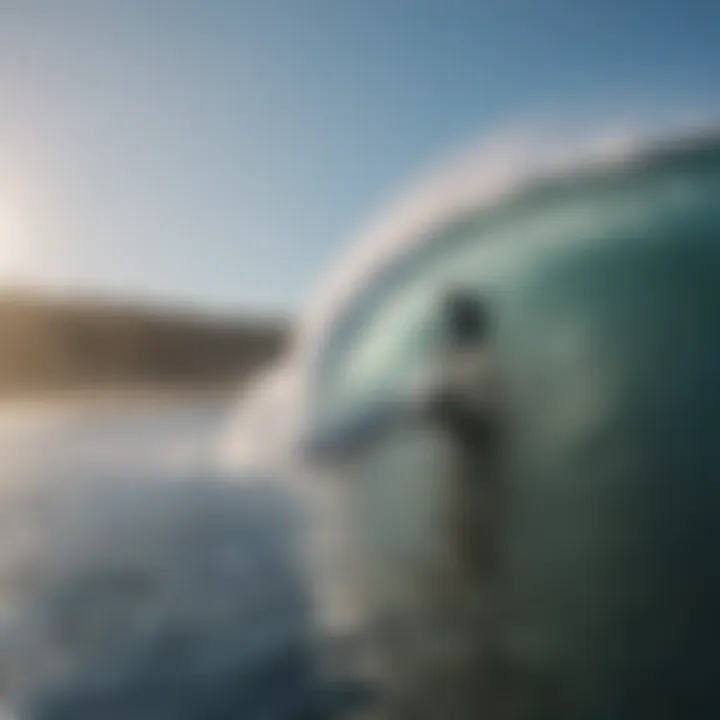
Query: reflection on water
x=134 y=581
x=108 y=434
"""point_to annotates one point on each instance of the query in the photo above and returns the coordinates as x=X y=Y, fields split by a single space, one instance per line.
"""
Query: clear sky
x=222 y=152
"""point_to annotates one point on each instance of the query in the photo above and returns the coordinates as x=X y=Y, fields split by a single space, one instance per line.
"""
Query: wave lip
x=475 y=180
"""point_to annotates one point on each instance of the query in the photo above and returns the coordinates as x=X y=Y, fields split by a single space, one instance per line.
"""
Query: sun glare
x=10 y=240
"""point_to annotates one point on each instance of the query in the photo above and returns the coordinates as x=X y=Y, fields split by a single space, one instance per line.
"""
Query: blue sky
x=223 y=152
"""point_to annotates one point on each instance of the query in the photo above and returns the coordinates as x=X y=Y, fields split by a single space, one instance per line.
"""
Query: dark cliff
x=52 y=344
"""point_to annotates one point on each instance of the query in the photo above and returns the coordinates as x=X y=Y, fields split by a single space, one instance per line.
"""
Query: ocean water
x=137 y=582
